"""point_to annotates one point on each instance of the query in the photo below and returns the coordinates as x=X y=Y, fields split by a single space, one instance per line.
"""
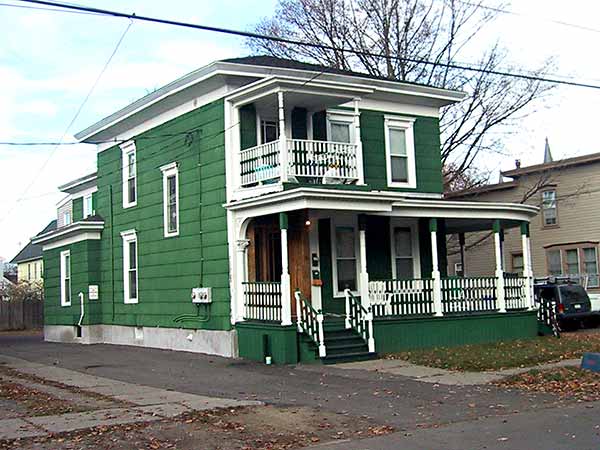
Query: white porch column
x=435 y=270
x=364 y=275
x=283 y=154
x=358 y=142
x=499 y=269
x=527 y=268
x=286 y=301
x=240 y=263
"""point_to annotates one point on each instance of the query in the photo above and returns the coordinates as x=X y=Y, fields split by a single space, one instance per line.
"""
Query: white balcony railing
x=308 y=160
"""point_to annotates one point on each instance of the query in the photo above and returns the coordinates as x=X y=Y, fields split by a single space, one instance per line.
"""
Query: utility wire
x=283 y=40
x=81 y=106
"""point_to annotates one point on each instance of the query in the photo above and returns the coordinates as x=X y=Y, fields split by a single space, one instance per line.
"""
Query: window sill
x=407 y=185
x=131 y=301
x=129 y=205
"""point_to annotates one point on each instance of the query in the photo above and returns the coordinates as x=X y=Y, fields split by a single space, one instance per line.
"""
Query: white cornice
x=68 y=231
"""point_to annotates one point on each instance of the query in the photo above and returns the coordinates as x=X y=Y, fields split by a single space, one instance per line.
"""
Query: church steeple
x=547 y=153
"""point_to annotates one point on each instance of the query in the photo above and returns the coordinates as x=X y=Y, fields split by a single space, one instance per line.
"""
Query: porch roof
x=460 y=215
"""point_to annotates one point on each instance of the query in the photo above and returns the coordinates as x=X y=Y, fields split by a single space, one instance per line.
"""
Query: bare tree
x=419 y=39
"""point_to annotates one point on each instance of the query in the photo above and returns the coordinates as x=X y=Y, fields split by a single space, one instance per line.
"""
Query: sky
x=49 y=61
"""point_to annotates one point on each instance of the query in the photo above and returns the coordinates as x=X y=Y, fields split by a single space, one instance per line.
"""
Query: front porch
x=333 y=276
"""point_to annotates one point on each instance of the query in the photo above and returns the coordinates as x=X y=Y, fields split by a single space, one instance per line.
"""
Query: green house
x=272 y=209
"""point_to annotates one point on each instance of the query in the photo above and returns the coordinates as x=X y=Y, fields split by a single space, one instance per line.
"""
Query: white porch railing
x=313 y=161
x=359 y=319
x=262 y=301
x=259 y=164
x=515 y=292
x=401 y=297
x=476 y=294
x=310 y=321
x=323 y=161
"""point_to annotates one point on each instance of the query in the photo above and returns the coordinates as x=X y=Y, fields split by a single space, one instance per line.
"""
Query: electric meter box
x=201 y=295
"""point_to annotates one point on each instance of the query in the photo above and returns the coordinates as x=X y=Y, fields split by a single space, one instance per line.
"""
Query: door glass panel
x=346 y=274
x=404 y=268
x=402 y=242
x=340 y=132
x=345 y=242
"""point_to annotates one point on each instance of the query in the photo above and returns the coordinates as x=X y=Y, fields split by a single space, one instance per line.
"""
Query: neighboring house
x=4 y=284
x=258 y=204
x=565 y=234
x=30 y=266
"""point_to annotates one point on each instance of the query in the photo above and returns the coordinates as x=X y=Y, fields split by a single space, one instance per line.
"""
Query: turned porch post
x=435 y=270
x=527 y=267
x=283 y=153
x=364 y=275
x=286 y=301
x=358 y=142
x=499 y=269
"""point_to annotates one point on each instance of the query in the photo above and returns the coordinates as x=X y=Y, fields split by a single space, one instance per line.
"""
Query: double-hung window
x=130 y=266
x=88 y=209
x=345 y=260
x=590 y=265
x=340 y=127
x=129 y=167
x=518 y=263
x=269 y=131
x=400 y=152
x=403 y=253
x=572 y=261
x=549 y=209
x=65 y=278
x=554 y=262
x=170 y=199
x=67 y=218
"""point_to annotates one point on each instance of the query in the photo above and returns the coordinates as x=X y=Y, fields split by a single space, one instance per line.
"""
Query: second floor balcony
x=289 y=133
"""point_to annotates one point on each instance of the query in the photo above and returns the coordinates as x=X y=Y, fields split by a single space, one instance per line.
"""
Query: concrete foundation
x=211 y=342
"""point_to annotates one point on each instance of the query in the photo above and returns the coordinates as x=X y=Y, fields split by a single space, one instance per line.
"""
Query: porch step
x=348 y=357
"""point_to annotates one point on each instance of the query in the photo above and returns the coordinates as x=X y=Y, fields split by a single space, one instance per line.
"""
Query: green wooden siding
x=77 y=209
x=85 y=270
x=393 y=335
x=427 y=152
x=168 y=267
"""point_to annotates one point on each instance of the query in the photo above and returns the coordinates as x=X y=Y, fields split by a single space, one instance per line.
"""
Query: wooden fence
x=21 y=314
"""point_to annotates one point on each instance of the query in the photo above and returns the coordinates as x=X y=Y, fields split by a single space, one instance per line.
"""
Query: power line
x=283 y=40
x=39 y=8
x=530 y=16
x=81 y=106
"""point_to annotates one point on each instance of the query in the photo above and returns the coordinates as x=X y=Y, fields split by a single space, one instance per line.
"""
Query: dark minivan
x=573 y=306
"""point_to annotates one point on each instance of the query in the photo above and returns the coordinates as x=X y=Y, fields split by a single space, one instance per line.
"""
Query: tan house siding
x=30 y=270
x=578 y=198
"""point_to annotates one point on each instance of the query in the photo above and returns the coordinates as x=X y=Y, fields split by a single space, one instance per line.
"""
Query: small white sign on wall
x=93 y=292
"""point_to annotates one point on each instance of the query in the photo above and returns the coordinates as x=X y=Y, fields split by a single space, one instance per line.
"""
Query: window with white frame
x=400 y=152
x=130 y=266
x=345 y=266
x=65 y=278
x=88 y=209
x=129 y=167
x=549 y=209
x=340 y=127
x=403 y=255
x=572 y=261
x=269 y=131
x=171 y=199
x=67 y=218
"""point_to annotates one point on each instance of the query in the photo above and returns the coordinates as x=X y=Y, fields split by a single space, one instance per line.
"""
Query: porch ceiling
x=267 y=106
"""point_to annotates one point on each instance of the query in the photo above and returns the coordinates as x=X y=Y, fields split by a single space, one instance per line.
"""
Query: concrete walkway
x=147 y=403
x=443 y=376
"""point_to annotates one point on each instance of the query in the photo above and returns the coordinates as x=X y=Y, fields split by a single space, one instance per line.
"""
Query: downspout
x=82 y=313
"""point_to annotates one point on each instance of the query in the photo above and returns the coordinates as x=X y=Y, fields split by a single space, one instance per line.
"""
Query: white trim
x=73 y=185
x=74 y=228
x=85 y=192
x=127 y=149
x=63 y=270
x=67 y=218
x=396 y=222
x=342 y=117
x=169 y=170
x=128 y=237
x=407 y=125
x=87 y=236
x=344 y=221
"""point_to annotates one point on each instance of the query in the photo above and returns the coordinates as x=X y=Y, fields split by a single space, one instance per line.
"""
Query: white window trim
x=128 y=237
x=167 y=171
x=65 y=221
x=345 y=117
x=126 y=149
x=63 y=297
x=86 y=212
x=339 y=221
x=406 y=124
x=414 y=236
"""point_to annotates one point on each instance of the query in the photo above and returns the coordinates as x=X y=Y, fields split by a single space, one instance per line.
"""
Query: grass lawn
x=504 y=355
x=566 y=382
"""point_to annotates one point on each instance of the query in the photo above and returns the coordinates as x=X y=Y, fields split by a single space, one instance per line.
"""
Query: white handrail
x=361 y=319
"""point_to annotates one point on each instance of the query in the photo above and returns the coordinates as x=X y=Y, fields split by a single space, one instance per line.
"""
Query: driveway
x=422 y=413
